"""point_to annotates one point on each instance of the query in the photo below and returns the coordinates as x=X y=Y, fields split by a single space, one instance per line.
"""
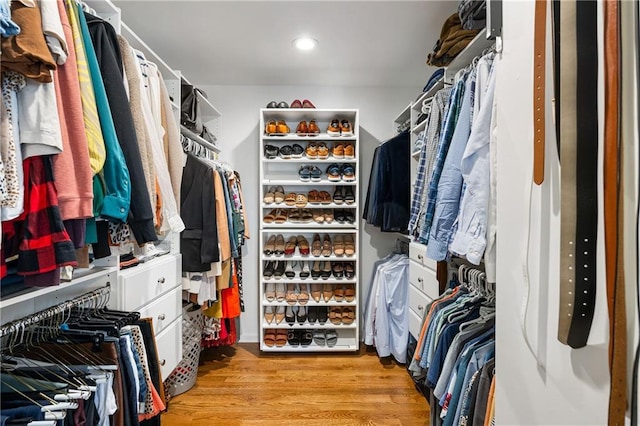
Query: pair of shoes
x=276 y=215
x=271 y=152
x=286 y=152
x=310 y=173
x=344 y=292
x=297 y=293
x=304 y=129
x=343 y=150
x=272 y=313
x=339 y=128
x=317 y=151
x=323 y=216
x=275 y=337
x=319 y=197
x=296 y=242
x=295 y=200
x=274 y=104
x=274 y=269
x=321 y=247
x=344 y=216
x=338 y=315
x=302 y=104
x=295 y=313
x=321 y=269
x=325 y=337
x=276 y=128
x=318 y=314
x=343 y=245
x=300 y=216
x=274 y=245
x=290 y=269
x=337 y=173
x=275 y=194
x=300 y=337
x=344 y=195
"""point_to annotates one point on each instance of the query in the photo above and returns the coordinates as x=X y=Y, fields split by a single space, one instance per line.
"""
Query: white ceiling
x=361 y=43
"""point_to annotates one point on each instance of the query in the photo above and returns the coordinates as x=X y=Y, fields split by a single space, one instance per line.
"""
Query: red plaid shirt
x=37 y=236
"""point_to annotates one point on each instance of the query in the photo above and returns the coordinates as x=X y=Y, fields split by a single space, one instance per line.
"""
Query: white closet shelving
x=284 y=172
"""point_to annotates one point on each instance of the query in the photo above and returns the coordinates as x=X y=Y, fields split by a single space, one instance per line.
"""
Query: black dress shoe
x=323 y=314
x=293 y=337
x=278 y=269
x=283 y=104
x=315 y=270
x=272 y=104
x=312 y=314
x=290 y=315
x=268 y=270
x=302 y=314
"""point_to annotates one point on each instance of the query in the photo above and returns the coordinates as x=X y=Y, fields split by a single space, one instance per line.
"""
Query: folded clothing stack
x=473 y=14
x=453 y=39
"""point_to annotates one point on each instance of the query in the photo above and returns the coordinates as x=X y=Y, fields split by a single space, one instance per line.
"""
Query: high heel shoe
x=280 y=293
x=270 y=246
x=315 y=271
x=279 y=315
x=291 y=296
x=278 y=269
x=349 y=292
x=304 y=270
x=279 y=245
x=290 y=315
x=326 y=270
x=302 y=315
x=326 y=246
x=316 y=292
x=303 y=296
x=270 y=292
x=338 y=293
x=327 y=292
x=289 y=272
x=268 y=314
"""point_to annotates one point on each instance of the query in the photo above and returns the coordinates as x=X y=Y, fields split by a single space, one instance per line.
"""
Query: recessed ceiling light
x=305 y=43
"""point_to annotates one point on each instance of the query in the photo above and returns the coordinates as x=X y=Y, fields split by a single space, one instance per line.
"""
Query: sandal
x=338 y=195
x=349 y=292
x=270 y=337
x=293 y=337
x=337 y=269
x=313 y=197
x=271 y=216
x=323 y=314
x=270 y=246
x=318 y=217
x=290 y=247
x=326 y=246
x=333 y=172
x=305 y=173
x=289 y=271
x=312 y=151
x=304 y=269
x=303 y=296
x=349 y=270
x=306 y=338
x=349 y=198
x=291 y=296
x=348 y=173
x=280 y=295
x=331 y=337
x=348 y=315
x=338 y=245
x=338 y=293
x=281 y=216
x=349 y=245
x=328 y=216
x=316 y=292
x=306 y=215
x=294 y=215
x=278 y=196
x=349 y=152
x=325 y=273
x=323 y=151
x=279 y=248
x=335 y=315
x=281 y=337
x=315 y=270
x=301 y=200
x=290 y=199
x=270 y=292
x=269 y=197
x=325 y=197
x=319 y=337
x=303 y=245
x=316 y=246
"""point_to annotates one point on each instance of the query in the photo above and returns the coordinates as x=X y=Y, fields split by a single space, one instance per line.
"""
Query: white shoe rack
x=284 y=172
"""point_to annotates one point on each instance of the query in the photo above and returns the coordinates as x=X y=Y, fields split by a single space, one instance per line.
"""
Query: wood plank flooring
x=239 y=386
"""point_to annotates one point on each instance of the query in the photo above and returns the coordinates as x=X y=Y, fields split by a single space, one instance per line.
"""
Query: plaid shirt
x=38 y=236
x=448 y=128
x=429 y=150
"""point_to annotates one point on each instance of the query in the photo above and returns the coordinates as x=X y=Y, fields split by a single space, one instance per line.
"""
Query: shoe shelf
x=284 y=172
x=420 y=127
x=310 y=206
x=309 y=160
x=326 y=326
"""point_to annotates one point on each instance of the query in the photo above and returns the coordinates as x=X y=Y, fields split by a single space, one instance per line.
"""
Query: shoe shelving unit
x=284 y=172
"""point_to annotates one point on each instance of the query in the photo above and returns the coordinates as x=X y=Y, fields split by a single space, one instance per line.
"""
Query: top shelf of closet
x=404 y=115
x=208 y=111
x=464 y=58
x=137 y=43
x=417 y=105
x=318 y=114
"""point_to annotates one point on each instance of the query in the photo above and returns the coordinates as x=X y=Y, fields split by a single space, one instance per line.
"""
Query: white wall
x=563 y=386
x=239 y=137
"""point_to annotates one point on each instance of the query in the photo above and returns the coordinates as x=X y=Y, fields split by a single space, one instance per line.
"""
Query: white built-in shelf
x=420 y=127
x=404 y=115
x=328 y=325
x=309 y=160
x=137 y=43
x=207 y=110
x=312 y=258
x=188 y=133
x=311 y=302
x=309 y=225
x=417 y=105
x=311 y=206
x=465 y=57
x=277 y=180
x=341 y=347
x=415 y=155
x=309 y=280
x=321 y=137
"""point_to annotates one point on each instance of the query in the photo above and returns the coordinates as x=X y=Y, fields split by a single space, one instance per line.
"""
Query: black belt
x=579 y=170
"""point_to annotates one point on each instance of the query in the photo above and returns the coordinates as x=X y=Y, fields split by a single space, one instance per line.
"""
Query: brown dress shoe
x=313 y=128
x=302 y=128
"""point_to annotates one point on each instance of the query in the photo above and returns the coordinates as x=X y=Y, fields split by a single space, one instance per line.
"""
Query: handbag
x=207 y=135
x=190 y=115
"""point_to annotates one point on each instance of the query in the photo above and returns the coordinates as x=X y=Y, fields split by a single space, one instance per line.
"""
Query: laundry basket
x=184 y=376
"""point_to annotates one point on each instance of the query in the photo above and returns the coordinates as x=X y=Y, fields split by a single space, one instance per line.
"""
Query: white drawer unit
x=169 y=343
x=415 y=324
x=418 y=301
x=417 y=253
x=140 y=285
x=164 y=310
x=424 y=279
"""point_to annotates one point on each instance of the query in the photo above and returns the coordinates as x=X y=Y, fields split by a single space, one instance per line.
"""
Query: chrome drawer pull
x=420 y=280
x=163 y=362
x=420 y=257
x=161 y=280
x=161 y=317
x=420 y=307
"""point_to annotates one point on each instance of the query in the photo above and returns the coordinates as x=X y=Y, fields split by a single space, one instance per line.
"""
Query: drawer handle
x=420 y=307
x=420 y=257
x=420 y=280
x=163 y=362
x=161 y=280
x=161 y=317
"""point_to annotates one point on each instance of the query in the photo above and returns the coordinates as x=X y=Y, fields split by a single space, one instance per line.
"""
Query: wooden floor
x=239 y=386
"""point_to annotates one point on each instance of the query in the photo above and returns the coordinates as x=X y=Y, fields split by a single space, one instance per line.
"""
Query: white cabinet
x=423 y=285
x=335 y=172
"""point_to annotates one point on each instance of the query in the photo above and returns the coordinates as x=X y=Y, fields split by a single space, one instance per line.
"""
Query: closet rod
x=19 y=325
x=198 y=139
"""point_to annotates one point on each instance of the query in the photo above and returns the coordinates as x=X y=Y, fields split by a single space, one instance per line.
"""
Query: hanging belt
x=579 y=170
x=539 y=38
x=613 y=216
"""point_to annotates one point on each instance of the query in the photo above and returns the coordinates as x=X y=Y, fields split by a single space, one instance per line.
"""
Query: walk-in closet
x=319 y=212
